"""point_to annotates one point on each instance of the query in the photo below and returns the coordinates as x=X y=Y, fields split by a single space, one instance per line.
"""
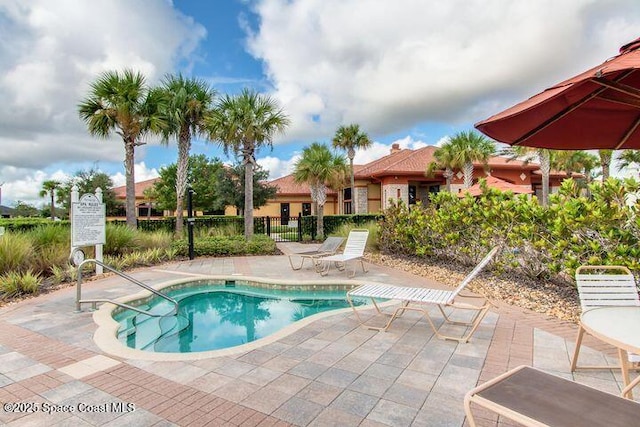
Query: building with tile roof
x=400 y=175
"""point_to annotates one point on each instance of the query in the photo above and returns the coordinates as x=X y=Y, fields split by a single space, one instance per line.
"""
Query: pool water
x=212 y=317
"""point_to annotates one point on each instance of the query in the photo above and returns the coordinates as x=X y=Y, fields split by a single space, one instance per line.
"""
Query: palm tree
x=320 y=168
x=350 y=138
x=572 y=161
x=605 y=162
x=121 y=103
x=629 y=158
x=242 y=124
x=445 y=159
x=470 y=147
x=188 y=103
x=49 y=188
x=543 y=156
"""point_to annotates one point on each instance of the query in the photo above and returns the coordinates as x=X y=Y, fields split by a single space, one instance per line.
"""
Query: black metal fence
x=281 y=229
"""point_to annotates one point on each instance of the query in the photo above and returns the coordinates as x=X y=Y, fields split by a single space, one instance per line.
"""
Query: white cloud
x=278 y=167
x=140 y=171
x=378 y=150
x=390 y=65
x=51 y=51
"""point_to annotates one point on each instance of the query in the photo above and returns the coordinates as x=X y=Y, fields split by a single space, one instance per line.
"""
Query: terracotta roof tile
x=287 y=185
x=121 y=192
x=411 y=162
x=498 y=184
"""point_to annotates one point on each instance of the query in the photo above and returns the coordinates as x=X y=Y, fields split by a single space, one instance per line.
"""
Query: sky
x=412 y=72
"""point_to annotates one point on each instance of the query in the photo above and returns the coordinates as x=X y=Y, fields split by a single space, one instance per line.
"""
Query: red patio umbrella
x=598 y=109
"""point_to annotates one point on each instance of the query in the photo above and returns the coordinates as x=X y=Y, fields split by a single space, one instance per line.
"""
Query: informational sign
x=88 y=217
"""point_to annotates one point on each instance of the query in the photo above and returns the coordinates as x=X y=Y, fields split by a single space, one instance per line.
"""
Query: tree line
x=180 y=109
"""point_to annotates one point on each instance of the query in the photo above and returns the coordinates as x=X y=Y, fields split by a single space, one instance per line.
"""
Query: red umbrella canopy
x=598 y=109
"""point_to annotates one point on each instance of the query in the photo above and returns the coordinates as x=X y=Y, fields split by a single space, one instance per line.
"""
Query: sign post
x=88 y=219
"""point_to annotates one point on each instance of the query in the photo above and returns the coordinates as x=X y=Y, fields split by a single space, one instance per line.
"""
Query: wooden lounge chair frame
x=424 y=297
x=353 y=251
x=329 y=247
x=603 y=290
x=534 y=398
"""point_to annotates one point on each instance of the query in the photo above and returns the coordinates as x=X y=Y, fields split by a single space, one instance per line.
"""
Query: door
x=284 y=213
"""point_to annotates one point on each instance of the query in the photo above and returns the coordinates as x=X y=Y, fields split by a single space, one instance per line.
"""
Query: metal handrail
x=79 y=299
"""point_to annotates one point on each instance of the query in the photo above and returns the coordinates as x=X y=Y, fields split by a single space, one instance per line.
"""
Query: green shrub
x=16 y=252
x=544 y=242
x=159 y=239
x=120 y=239
x=260 y=245
x=227 y=246
x=14 y=283
x=50 y=234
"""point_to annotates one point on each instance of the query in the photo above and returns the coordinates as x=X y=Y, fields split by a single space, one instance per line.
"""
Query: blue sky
x=409 y=71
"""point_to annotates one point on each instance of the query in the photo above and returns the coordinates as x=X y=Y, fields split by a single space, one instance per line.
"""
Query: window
x=306 y=209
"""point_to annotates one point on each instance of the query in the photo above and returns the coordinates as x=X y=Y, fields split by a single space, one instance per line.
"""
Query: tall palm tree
x=243 y=124
x=629 y=158
x=527 y=155
x=605 y=162
x=189 y=101
x=470 y=147
x=320 y=168
x=122 y=103
x=350 y=138
x=445 y=159
x=49 y=188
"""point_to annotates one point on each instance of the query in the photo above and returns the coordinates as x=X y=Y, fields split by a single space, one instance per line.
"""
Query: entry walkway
x=329 y=372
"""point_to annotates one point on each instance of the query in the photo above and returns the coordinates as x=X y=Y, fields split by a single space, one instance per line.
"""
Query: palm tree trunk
x=248 y=198
x=130 y=181
x=320 y=228
x=320 y=196
x=353 y=183
x=545 y=169
x=448 y=174
x=605 y=172
x=184 y=145
x=467 y=170
x=53 y=208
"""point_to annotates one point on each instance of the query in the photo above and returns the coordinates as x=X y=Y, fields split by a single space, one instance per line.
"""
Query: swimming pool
x=222 y=314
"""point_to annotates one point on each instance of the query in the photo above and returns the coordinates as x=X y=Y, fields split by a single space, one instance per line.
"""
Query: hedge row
x=552 y=241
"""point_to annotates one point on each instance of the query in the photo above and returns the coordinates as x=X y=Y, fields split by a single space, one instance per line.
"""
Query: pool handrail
x=125 y=276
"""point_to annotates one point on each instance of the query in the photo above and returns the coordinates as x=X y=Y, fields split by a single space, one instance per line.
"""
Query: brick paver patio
x=329 y=372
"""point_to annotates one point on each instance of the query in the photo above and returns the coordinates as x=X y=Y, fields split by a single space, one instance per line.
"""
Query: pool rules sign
x=88 y=217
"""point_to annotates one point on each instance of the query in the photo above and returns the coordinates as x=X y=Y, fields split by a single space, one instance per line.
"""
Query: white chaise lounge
x=424 y=297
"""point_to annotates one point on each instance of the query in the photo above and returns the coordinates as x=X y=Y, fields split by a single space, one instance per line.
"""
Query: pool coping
x=105 y=337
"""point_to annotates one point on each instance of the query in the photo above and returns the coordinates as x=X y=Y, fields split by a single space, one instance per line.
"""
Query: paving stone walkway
x=331 y=372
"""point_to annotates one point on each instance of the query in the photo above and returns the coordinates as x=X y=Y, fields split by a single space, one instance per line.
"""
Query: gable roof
x=498 y=184
x=415 y=162
x=140 y=187
x=287 y=185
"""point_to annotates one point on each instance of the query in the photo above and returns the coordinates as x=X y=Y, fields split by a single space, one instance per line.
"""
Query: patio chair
x=425 y=296
x=353 y=251
x=600 y=286
x=328 y=247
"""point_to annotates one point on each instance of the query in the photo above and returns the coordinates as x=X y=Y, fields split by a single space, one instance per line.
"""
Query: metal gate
x=288 y=229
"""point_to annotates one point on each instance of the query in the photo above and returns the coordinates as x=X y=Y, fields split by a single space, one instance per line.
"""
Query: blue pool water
x=212 y=317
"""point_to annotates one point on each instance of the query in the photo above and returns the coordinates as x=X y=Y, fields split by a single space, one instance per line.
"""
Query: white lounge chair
x=600 y=286
x=328 y=247
x=425 y=296
x=353 y=250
